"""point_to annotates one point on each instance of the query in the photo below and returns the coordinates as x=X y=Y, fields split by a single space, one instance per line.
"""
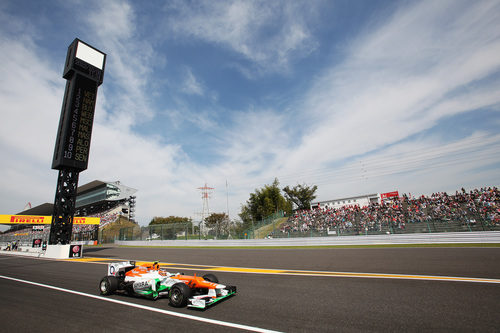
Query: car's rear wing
x=124 y=266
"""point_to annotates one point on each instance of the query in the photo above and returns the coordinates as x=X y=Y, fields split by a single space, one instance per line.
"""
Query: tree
x=263 y=203
x=168 y=227
x=301 y=195
x=245 y=216
x=169 y=220
x=219 y=222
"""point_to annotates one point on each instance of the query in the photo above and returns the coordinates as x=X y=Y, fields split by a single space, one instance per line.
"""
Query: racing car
x=151 y=281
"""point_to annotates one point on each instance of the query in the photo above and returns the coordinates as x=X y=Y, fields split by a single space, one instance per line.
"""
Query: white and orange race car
x=151 y=281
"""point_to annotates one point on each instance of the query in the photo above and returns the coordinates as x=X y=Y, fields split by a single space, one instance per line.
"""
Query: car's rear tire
x=179 y=295
x=211 y=278
x=108 y=285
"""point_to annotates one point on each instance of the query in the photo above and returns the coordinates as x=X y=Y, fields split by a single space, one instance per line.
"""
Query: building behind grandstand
x=360 y=200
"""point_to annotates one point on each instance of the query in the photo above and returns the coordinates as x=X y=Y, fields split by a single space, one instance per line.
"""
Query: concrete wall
x=431 y=238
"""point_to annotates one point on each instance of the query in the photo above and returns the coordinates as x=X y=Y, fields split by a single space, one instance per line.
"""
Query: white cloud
x=113 y=20
x=191 y=84
x=268 y=34
x=31 y=104
x=129 y=63
x=401 y=78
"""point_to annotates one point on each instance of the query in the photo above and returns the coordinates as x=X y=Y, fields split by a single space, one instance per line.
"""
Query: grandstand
x=106 y=200
x=476 y=210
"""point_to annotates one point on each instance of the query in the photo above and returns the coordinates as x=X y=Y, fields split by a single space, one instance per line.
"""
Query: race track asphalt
x=272 y=301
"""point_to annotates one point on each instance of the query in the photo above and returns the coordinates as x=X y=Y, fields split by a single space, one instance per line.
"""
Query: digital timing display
x=73 y=143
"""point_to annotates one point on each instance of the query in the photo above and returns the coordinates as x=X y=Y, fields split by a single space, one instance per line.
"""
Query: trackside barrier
x=50 y=251
x=416 y=238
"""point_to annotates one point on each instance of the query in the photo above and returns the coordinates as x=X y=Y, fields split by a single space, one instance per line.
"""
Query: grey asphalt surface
x=274 y=302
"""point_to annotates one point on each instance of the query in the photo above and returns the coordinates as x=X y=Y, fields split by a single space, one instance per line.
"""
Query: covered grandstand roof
x=90 y=186
x=43 y=209
x=47 y=208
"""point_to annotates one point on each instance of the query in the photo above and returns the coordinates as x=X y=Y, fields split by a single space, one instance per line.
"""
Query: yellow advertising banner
x=36 y=219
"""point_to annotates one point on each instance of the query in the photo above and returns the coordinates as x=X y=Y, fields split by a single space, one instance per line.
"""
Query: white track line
x=143 y=307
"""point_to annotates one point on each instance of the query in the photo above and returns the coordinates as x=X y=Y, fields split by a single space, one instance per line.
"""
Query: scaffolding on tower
x=205 y=195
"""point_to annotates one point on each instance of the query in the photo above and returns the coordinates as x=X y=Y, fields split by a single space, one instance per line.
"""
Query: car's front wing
x=204 y=301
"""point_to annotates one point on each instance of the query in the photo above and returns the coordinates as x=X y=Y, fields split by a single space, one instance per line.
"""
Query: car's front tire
x=179 y=295
x=108 y=285
x=210 y=278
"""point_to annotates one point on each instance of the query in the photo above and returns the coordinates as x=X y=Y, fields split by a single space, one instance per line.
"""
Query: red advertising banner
x=389 y=195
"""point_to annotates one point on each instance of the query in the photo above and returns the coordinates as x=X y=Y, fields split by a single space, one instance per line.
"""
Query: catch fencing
x=429 y=226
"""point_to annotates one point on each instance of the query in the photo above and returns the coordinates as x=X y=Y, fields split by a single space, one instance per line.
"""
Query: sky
x=356 y=97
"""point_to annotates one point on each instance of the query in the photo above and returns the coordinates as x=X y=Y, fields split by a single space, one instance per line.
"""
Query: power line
x=418 y=155
x=397 y=162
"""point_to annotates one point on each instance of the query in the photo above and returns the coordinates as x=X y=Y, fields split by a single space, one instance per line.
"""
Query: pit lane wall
x=424 y=238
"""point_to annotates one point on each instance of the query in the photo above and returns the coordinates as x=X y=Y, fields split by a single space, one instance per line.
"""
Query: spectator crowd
x=397 y=213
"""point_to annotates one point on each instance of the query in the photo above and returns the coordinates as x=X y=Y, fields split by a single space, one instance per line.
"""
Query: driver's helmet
x=156 y=266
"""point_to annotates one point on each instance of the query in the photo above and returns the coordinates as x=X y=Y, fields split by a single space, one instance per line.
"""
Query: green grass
x=262 y=232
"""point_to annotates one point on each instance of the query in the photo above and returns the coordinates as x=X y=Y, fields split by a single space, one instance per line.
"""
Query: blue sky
x=355 y=97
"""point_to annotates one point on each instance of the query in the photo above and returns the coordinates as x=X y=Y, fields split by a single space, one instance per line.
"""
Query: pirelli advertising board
x=37 y=219
x=84 y=70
